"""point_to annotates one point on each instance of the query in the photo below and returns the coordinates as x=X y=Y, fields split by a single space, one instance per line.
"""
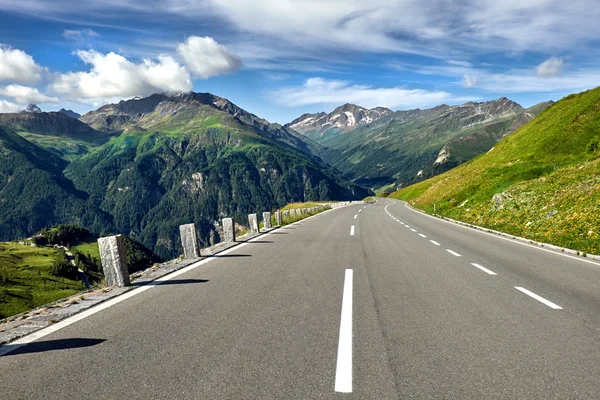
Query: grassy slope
x=309 y=204
x=65 y=147
x=26 y=281
x=548 y=171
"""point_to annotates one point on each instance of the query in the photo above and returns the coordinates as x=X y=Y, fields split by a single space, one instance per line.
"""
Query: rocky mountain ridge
x=343 y=118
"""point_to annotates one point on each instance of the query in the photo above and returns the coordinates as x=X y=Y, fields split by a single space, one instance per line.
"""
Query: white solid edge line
x=484 y=269
x=423 y=236
x=352 y=230
x=453 y=253
x=343 y=371
x=539 y=298
x=434 y=242
x=505 y=238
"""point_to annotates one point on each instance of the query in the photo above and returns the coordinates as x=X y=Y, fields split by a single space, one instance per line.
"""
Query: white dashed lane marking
x=539 y=298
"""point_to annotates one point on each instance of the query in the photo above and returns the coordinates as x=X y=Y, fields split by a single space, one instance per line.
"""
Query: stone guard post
x=114 y=262
x=189 y=241
x=228 y=230
x=278 y=217
x=253 y=221
x=267 y=220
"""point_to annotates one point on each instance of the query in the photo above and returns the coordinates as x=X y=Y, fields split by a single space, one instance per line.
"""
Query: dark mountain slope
x=34 y=193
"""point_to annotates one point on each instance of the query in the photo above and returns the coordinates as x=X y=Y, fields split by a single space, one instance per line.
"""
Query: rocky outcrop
x=32 y=109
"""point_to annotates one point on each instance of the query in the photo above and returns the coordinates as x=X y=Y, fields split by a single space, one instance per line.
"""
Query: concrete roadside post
x=267 y=220
x=286 y=215
x=253 y=221
x=189 y=240
x=228 y=230
x=114 y=261
x=278 y=217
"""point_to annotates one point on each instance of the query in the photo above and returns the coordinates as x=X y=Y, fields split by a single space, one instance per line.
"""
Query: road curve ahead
x=363 y=302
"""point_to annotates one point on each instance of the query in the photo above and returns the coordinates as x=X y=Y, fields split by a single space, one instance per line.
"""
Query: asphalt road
x=351 y=300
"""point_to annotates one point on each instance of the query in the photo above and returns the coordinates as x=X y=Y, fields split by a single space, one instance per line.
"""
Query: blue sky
x=280 y=59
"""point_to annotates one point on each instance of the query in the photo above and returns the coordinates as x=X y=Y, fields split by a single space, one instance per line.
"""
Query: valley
x=382 y=149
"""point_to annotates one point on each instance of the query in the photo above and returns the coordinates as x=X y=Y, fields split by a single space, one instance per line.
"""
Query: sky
x=281 y=58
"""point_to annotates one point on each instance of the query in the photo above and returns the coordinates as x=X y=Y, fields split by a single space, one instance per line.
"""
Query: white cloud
x=470 y=81
x=112 y=75
x=8 y=107
x=460 y=63
x=323 y=91
x=18 y=66
x=25 y=94
x=79 y=34
x=525 y=81
x=205 y=57
x=550 y=68
x=522 y=80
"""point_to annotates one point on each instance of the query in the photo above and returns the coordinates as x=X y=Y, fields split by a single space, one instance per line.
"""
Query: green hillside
x=26 y=279
x=33 y=272
x=542 y=182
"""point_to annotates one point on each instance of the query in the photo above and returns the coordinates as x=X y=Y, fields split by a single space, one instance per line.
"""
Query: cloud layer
x=334 y=92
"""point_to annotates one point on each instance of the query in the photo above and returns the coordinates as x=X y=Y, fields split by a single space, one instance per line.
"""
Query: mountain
x=34 y=193
x=463 y=148
x=188 y=113
x=33 y=109
x=152 y=164
x=343 y=118
x=541 y=182
x=403 y=147
x=64 y=136
x=69 y=113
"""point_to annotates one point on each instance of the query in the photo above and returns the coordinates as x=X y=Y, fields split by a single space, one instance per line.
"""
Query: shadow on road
x=231 y=255
x=170 y=282
x=262 y=241
x=48 y=345
x=279 y=233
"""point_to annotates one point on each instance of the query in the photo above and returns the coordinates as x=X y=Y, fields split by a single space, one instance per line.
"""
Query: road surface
x=364 y=302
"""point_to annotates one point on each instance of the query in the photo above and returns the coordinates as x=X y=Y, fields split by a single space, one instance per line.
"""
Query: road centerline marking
x=453 y=253
x=539 y=298
x=343 y=371
x=352 y=230
x=434 y=242
x=423 y=236
x=487 y=271
x=355 y=216
x=414 y=230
